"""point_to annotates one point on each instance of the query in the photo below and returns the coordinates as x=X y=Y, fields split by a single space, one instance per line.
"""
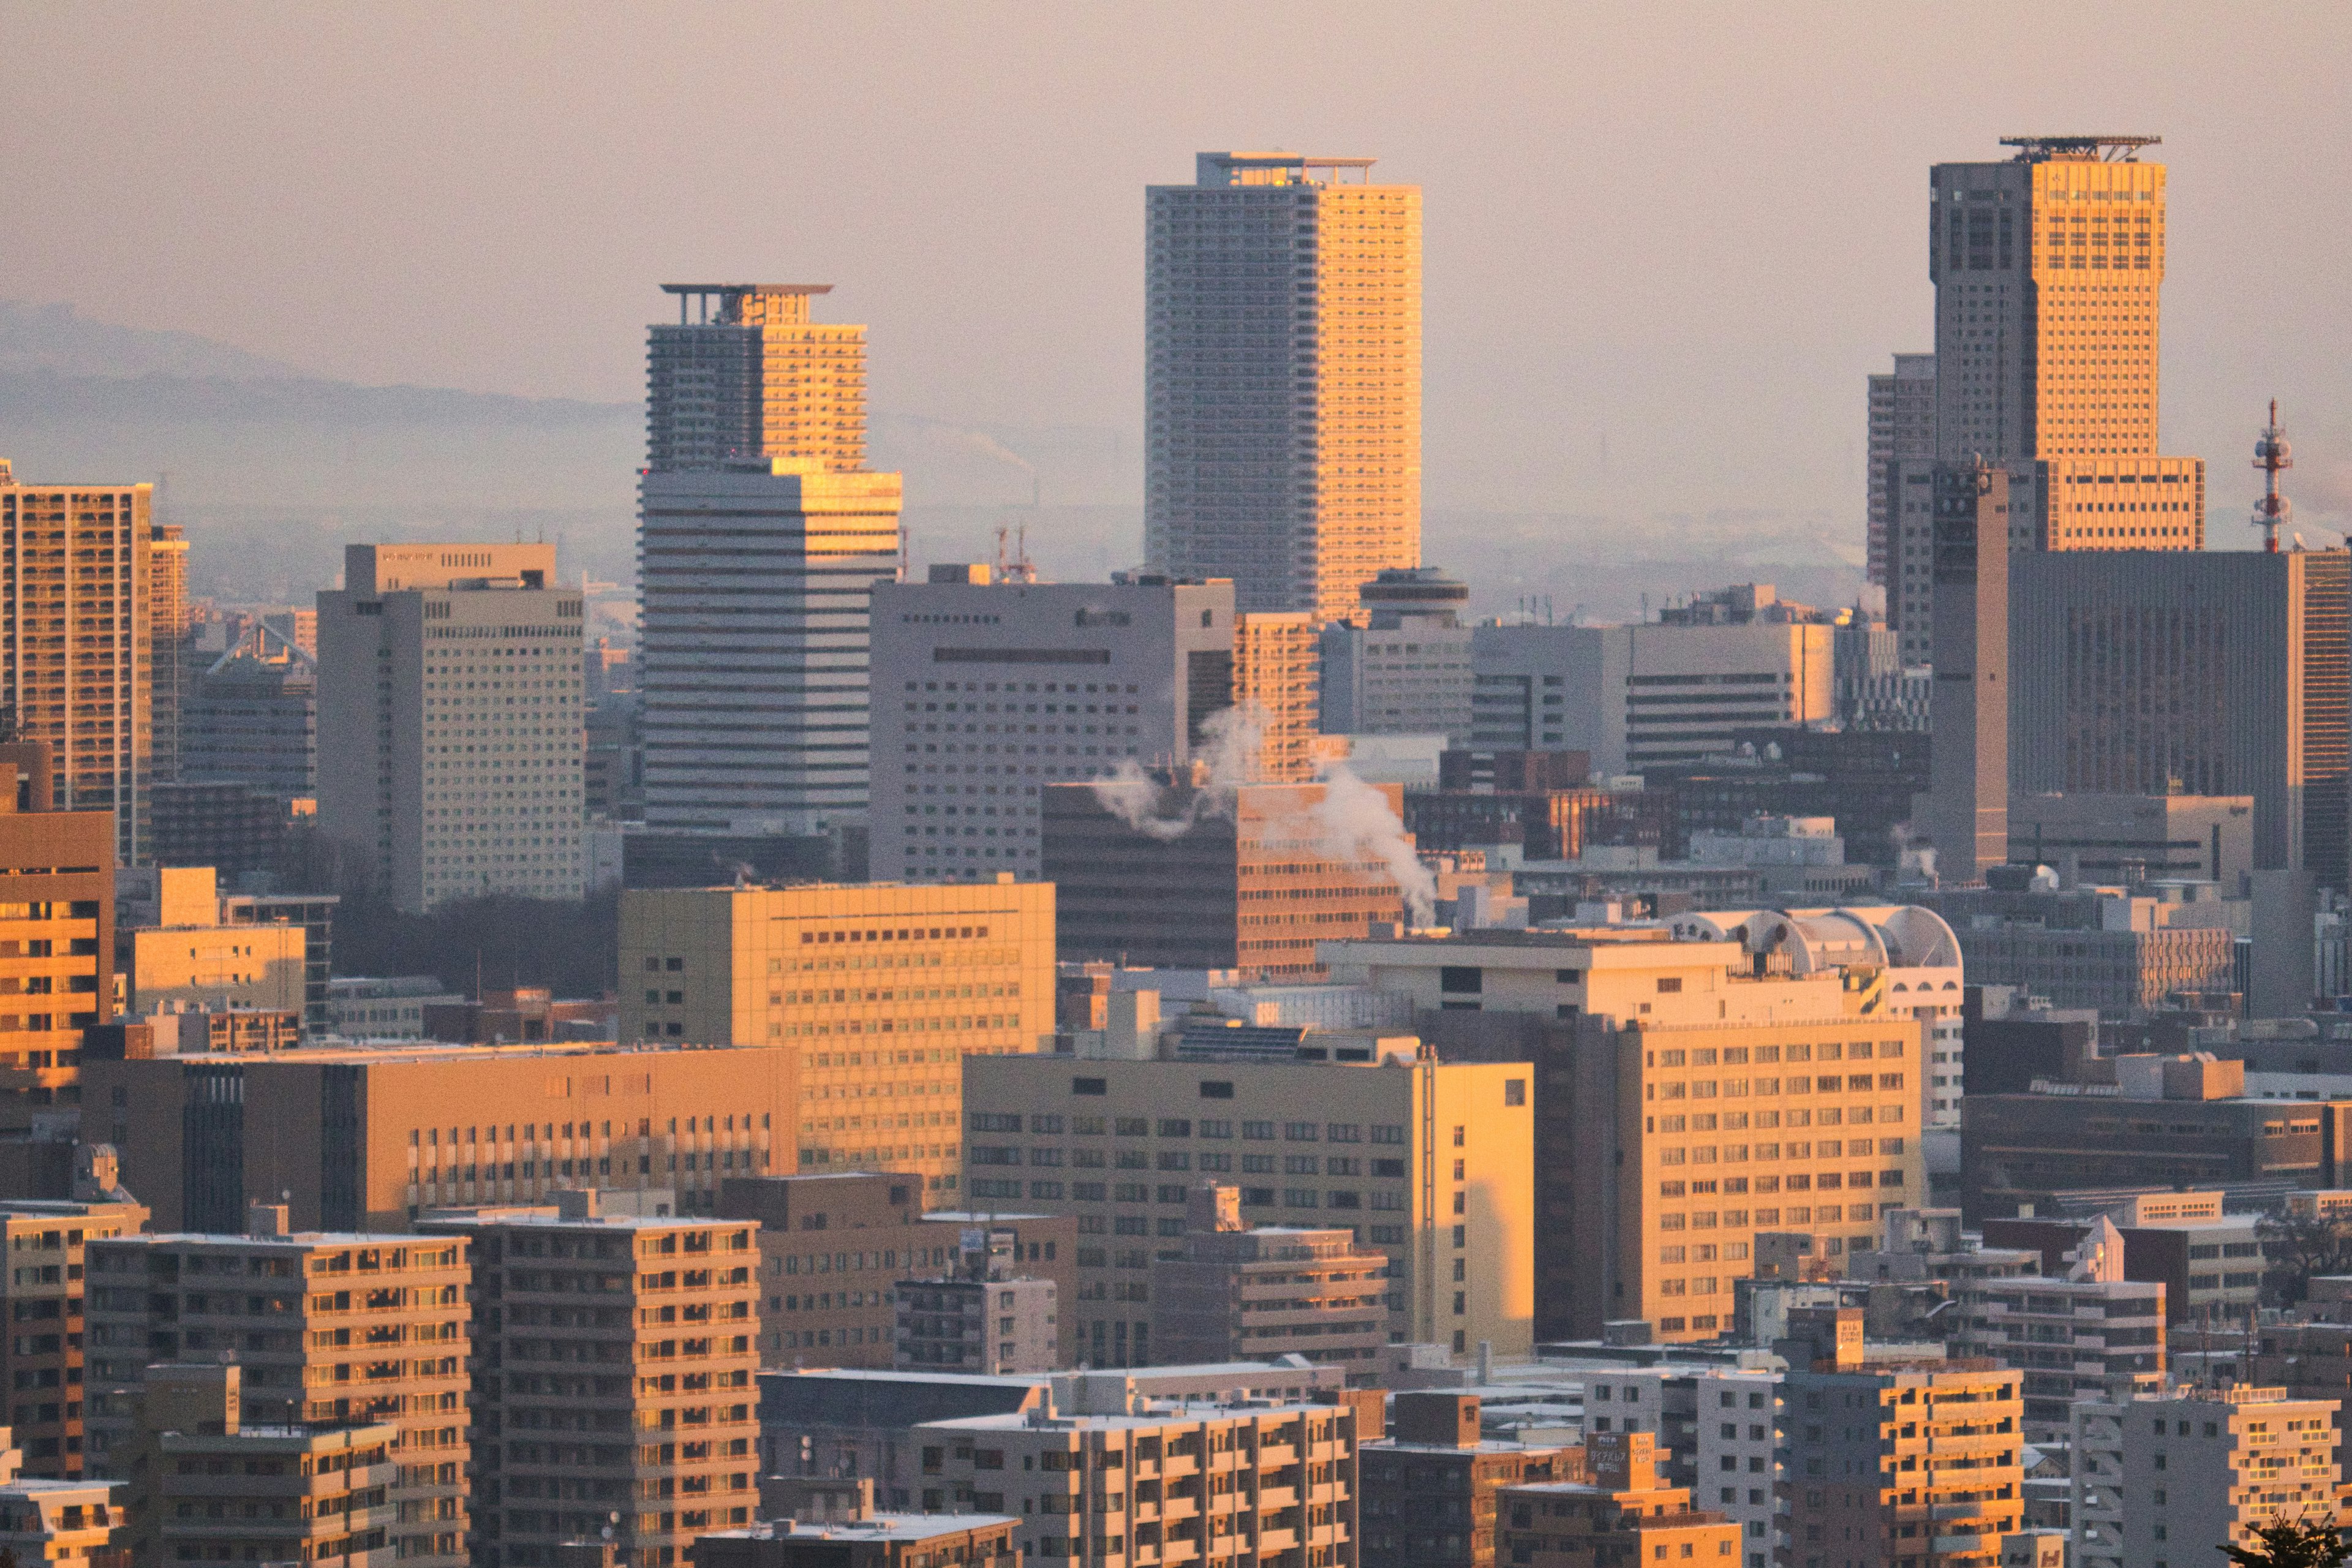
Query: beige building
x=1429 y=1163
x=1254 y=1294
x=1184 y=1483
x=190 y=959
x=1627 y=1513
x=76 y=649
x=643 y=1407
x=42 y=1295
x=2179 y=1476
x=326 y=1329
x=1274 y=662
x=52 y=1520
x=753 y=376
x=366 y=1139
x=876 y=992
x=1290 y=464
x=449 y=721
x=1691 y=1098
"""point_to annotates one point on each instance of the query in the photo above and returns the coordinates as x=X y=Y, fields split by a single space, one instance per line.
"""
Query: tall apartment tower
x=1968 y=772
x=1902 y=428
x=751 y=375
x=1282 y=401
x=760 y=538
x=167 y=597
x=449 y=726
x=76 y=642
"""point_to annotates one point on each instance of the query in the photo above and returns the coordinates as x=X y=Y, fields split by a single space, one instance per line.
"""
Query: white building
x=1716 y=1424
x=449 y=721
x=756 y=576
x=985 y=691
x=2171 y=1479
x=1407 y=671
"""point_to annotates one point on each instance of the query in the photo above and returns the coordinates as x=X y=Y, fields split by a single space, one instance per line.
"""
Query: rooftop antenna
x=2272 y=454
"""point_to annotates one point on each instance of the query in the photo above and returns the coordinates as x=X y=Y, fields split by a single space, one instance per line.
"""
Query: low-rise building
x=51 y=1519
x=1716 y=1428
x=175 y=948
x=869 y=1541
x=990 y=1321
x=1430 y=1486
x=1624 y=1514
x=1239 y=1294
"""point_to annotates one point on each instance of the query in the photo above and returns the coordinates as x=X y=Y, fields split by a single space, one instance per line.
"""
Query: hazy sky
x=1676 y=236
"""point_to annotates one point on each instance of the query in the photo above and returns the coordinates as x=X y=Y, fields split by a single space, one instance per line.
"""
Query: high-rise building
x=2179 y=1476
x=57 y=902
x=1236 y=1293
x=1433 y=1160
x=77 y=642
x=1901 y=426
x=875 y=993
x=1967 y=792
x=752 y=376
x=329 y=1330
x=987 y=690
x=251 y=715
x=43 y=1296
x=1715 y=1427
x=449 y=730
x=642 y=1406
x=167 y=599
x=1273 y=685
x=756 y=576
x=1401 y=666
x=1283 y=390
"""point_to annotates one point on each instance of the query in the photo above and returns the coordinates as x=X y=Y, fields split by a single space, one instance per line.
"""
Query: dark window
x=1211 y=1089
x=1090 y=1085
x=1462 y=978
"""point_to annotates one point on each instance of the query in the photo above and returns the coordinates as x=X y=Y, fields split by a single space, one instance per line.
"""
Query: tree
x=2303 y=1542
x=2297 y=1247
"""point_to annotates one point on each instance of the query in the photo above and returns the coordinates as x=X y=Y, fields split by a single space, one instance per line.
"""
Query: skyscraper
x=1968 y=813
x=760 y=537
x=449 y=732
x=1282 y=401
x=1902 y=427
x=75 y=642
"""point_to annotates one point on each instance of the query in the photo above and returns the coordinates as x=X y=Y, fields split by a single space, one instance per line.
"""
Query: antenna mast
x=2272 y=454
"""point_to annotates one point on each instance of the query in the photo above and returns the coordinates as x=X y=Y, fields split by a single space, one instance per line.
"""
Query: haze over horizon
x=1663 y=249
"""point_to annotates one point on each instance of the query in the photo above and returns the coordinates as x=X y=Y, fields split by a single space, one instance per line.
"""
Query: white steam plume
x=1357 y=823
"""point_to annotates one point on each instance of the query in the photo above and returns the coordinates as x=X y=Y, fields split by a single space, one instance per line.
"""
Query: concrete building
x=753 y=376
x=1430 y=1487
x=366 y=1139
x=1967 y=792
x=364 y=1007
x=996 y=1322
x=1283 y=382
x=2179 y=1475
x=1401 y=665
x=1715 y=1427
x=756 y=576
x=673 y=1345
x=251 y=712
x=1625 y=1513
x=2205 y=673
x=1640 y=695
x=2130 y=839
x=76 y=656
x=43 y=1296
x=1434 y=1161
x=833 y=1248
x=1190 y=1482
x=956 y=775
x=2090 y=1333
x=870 y=1539
x=1273 y=693
x=233 y=827
x=776 y=966
x=175 y=950
x=44 y=1520
x=1652 y=1213
x=327 y=1331
x=57 y=904
x=1186 y=872
x=1902 y=419
x=1914 y=1464
x=449 y=721
x=1265 y=1291
x=206 y=1481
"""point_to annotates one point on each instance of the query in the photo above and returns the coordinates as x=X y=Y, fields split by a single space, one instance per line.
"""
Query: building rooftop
x=873 y=1527
x=1162 y=1410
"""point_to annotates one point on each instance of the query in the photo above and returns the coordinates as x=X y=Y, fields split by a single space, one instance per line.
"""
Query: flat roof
x=747 y=287
x=873 y=1527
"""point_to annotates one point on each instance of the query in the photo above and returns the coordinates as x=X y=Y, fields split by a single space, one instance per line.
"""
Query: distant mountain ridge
x=56 y=337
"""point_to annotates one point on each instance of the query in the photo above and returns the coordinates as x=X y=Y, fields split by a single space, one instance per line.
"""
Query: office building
x=1967 y=792
x=235 y=828
x=2120 y=954
x=753 y=376
x=2173 y=1121
x=2086 y=836
x=989 y=690
x=1653 y=1214
x=834 y=1247
x=76 y=649
x=663 y=1366
x=1715 y=1427
x=1275 y=675
x=1434 y=1161
x=2212 y=673
x=1625 y=1513
x=1185 y=872
x=2088 y=1333
x=792 y=969
x=364 y=1007
x=1914 y=1465
x=1638 y=696
x=2209 y=1264
x=1401 y=665
x=328 y=1330
x=1432 y=1485
x=175 y=951
x=756 y=577
x=1282 y=341
x=57 y=904
x=1255 y=1293
x=365 y=1138
x=867 y=1539
x=1205 y=1483
x=207 y=1482
x=1902 y=415
x=42 y=1294
x=988 y=1319
x=45 y=1519
x=2178 y=1476
x=449 y=723
x=251 y=713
